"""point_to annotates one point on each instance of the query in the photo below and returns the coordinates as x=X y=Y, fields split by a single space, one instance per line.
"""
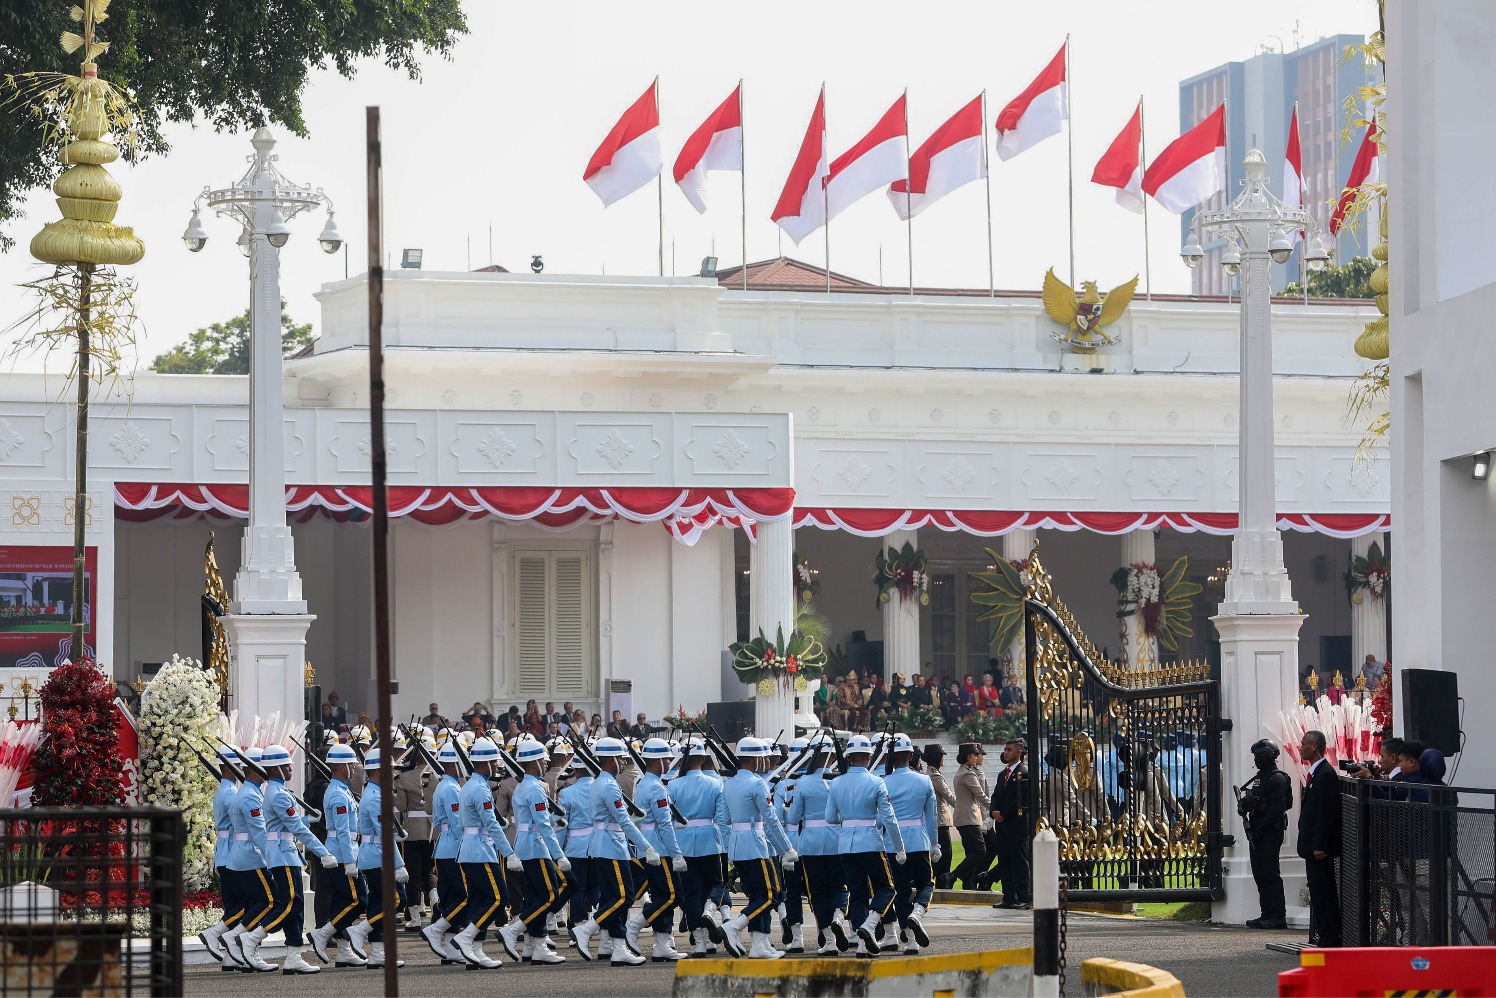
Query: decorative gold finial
x=311 y=675
x=12 y=709
x=139 y=685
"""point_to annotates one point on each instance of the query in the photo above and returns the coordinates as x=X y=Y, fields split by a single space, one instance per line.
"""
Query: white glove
x=789 y=859
x=651 y=857
x=678 y=864
x=329 y=860
x=351 y=869
x=900 y=856
x=514 y=863
x=402 y=875
x=564 y=864
x=935 y=854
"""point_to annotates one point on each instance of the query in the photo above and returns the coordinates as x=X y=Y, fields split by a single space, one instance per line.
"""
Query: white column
x=1141 y=652
x=266 y=675
x=1017 y=545
x=1368 y=617
x=772 y=606
x=901 y=620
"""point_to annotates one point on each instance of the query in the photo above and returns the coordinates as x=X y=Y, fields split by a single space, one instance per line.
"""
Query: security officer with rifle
x=1263 y=803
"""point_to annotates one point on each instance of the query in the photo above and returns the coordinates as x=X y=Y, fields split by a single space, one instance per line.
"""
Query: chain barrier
x=1064 y=920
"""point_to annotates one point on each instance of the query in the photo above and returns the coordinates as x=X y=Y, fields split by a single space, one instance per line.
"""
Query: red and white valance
x=988 y=523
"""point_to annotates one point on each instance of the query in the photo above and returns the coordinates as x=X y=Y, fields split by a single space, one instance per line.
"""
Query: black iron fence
x=1418 y=865
x=91 y=901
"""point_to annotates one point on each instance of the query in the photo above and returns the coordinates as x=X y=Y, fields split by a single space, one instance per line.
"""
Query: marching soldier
x=361 y=738
x=233 y=894
x=557 y=770
x=285 y=826
x=696 y=795
x=628 y=774
x=792 y=908
x=413 y=798
x=545 y=864
x=658 y=826
x=608 y=847
x=449 y=914
x=483 y=841
x=858 y=801
x=753 y=828
x=247 y=859
x=340 y=816
x=576 y=800
x=369 y=935
x=913 y=798
x=820 y=863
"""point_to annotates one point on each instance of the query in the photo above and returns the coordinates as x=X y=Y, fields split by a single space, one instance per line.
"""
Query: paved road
x=1209 y=960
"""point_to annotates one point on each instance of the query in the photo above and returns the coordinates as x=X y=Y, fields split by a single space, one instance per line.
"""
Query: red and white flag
x=880 y=158
x=802 y=205
x=1038 y=112
x=1363 y=171
x=630 y=156
x=716 y=145
x=1121 y=166
x=1293 y=171
x=1192 y=167
x=954 y=155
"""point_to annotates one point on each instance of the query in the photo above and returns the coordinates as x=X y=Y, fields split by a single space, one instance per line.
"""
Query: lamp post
x=267 y=617
x=1259 y=619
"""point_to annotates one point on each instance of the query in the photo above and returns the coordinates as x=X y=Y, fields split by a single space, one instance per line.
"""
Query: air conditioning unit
x=621 y=698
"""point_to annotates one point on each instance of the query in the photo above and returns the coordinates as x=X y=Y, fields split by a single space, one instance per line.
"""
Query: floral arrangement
x=78 y=764
x=765 y=664
x=681 y=721
x=1352 y=732
x=903 y=569
x=177 y=711
x=985 y=729
x=1372 y=573
x=1164 y=601
x=917 y=722
x=18 y=744
x=1381 y=702
x=807 y=580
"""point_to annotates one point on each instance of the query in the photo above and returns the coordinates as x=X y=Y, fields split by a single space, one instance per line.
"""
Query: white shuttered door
x=554 y=654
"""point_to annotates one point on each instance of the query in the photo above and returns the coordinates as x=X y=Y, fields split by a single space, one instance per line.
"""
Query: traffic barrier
x=1119 y=979
x=1378 y=971
x=985 y=974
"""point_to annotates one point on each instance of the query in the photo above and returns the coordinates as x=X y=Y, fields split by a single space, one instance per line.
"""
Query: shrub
x=987 y=730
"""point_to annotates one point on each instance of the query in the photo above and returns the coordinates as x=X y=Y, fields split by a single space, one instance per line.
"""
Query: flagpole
x=987 y=176
x=1070 y=156
x=1142 y=165
x=1304 y=240
x=743 y=180
x=908 y=193
x=825 y=194
x=1226 y=195
x=660 y=189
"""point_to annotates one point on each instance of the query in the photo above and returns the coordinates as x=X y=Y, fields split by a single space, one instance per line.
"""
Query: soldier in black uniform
x=1263 y=804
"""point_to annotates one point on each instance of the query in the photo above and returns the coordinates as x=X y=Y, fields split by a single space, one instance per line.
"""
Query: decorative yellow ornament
x=924 y=599
x=883 y=596
x=801 y=685
x=766 y=687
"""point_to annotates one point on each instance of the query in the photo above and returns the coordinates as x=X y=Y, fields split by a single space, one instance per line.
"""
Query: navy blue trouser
x=546 y=890
x=794 y=911
x=913 y=883
x=615 y=885
x=486 y=893
x=702 y=883
x=287 y=909
x=825 y=886
x=347 y=899
x=760 y=883
x=869 y=884
x=583 y=889
x=664 y=894
x=451 y=894
x=231 y=885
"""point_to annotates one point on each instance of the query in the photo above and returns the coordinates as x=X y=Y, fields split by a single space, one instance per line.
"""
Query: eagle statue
x=1085 y=314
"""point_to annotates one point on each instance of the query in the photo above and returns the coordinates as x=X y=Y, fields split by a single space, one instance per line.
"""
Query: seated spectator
x=550 y=715
x=640 y=730
x=877 y=696
x=898 y=694
x=970 y=686
x=955 y=704
x=478 y=712
x=339 y=712
x=617 y=726
x=988 y=697
x=434 y=718
x=513 y=731
x=921 y=694
x=532 y=722
x=597 y=729
x=579 y=724
x=849 y=699
x=1011 y=697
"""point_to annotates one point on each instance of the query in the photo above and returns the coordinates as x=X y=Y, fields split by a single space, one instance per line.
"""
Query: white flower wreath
x=179 y=708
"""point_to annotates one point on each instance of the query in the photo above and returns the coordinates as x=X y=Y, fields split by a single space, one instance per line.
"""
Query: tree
x=223 y=348
x=237 y=64
x=1345 y=281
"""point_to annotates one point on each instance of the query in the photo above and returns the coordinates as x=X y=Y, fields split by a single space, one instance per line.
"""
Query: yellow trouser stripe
x=888 y=873
x=661 y=904
x=290 y=901
x=768 y=890
x=497 y=897
x=269 y=900
x=623 y=895
x=550 y=890
x=352 y=903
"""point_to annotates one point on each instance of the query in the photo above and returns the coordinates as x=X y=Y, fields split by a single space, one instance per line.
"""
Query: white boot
x=296 y=963
x=376 y=956
x=212 y=939
x=510 y=935
x=713 y=921
x=358 y=938
x=631 y=930
x=828 y=944
x=412 y=918
x=581 y=937
x=605 y=943
x=250 y=943
x=320 y=937
x=862 y=950
x=917 y=926
x=841 y=931
x=868 y=932
x=762 y=949
x=797 y=938
x=664 y=949
x=538 y=950
x=233 y=954
x=624 y=957
x=698 y=940
x=433 y=935
x=733 y=934
x=467 y=944
x=346 y=957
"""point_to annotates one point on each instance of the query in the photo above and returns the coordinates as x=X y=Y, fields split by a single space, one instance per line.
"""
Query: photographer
x=1263 y=804
x=1387 y=767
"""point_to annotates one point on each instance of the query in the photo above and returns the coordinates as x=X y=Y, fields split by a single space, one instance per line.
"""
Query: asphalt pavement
x=1209 y=960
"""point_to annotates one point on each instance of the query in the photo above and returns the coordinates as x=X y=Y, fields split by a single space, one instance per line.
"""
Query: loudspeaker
x=732 y=718
x=1431 y=708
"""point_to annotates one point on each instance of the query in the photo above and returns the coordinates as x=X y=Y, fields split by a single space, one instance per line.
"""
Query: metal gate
x=1124 y=762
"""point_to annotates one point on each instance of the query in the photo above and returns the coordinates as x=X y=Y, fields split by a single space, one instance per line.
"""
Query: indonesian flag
x=716 y=145
x=1293 y=171
x=802 y=207
x=1121 y=166
x=1363 y=171
x=954 y=155
x=880 y=158
x=630 y=156
x=1035 y=114
x=1192 y=168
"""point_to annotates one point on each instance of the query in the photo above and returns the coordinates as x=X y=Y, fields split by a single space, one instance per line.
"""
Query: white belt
x=223 y=835
x=275 y=836
x=335 y=834
x=610 y=825
x=744 y=826
x=241 y=836
x=579 y=831
x=911 y=822
x=817 y=823
x=859 y=822
x=368 y=840
x=700 y=822
x=524 y=828
x=418 y=814
x=470 y=831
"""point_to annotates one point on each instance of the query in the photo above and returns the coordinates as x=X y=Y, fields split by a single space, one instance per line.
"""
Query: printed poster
x=36 y=605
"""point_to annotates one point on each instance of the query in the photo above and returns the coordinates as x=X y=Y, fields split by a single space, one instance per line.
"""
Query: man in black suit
x=1009 y=802
x=1319 y=840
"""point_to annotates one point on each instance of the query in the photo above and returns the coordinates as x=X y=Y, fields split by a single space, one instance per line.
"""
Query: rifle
x=675 y=815
x=419 y=747
x=790 y=765
x=725 y=755
x=590 y=761
x=312 y=814
x=217 y=774
x=320 y=765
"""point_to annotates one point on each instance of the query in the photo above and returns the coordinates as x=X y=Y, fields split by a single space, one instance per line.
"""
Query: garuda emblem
x=1085 y=314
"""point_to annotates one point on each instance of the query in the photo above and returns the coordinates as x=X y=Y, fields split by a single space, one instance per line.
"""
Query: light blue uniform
x=285 y=826
x=658 y=823
x=370 y=850
x=752 y=826
x=482 y=838
x=576 y=801
x=784 y=797
x=817 y=836
x=859 y=803
x=223 y=821
x=340 y=815
x=912 y=797
x=446 y=821
x=696 y=796
x=535 y=838
x=612 y=828
x=249 y=849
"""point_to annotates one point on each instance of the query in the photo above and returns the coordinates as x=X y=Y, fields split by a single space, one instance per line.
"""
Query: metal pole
x=380 y=532
x=80 y=483
x=660 y=192
x=1070 y=158
x=743 y=179
x=987 y=177
x=825 y=194
x=908 y=194
x=1143 y=165
x=1046 y=915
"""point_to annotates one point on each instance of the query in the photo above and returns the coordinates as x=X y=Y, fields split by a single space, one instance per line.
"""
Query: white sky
x=499 y=137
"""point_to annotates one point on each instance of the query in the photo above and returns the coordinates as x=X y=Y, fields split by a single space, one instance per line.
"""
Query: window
x=551 y=606
x=956 y=642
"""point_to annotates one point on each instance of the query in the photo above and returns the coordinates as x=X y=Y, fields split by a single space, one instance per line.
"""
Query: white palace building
x=587 y=473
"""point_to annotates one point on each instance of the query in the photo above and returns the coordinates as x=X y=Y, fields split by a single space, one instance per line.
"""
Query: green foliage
x=1348 y=280
x=800 y=656
x=237 y=65
x=1003 y=599
x=988 y=730
x=223 y=348
x=1178 y=597
x=917 y=721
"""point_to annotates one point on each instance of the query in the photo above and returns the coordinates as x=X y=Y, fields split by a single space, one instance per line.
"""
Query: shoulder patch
x=618 y=803
x=457 y=807
x=662 y=803
x=255 y=813
x=290 y=812
x=540 y=806
x=342 y=809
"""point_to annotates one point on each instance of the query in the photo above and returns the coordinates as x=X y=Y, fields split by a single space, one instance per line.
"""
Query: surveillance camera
x=536 y=264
